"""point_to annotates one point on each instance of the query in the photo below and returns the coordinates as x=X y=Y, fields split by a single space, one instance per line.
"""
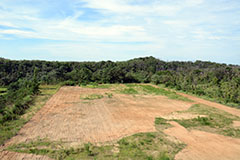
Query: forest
x=220 y=82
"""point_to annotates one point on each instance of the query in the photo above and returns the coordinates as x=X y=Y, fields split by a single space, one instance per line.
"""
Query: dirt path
x=203 y=145
x=233 y=111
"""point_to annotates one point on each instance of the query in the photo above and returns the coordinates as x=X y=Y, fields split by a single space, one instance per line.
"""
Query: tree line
x=214 y=80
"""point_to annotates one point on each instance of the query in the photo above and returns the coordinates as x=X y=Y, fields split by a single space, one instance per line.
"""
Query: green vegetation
x=148 y=146
x=10 y=127
x=96 y=85
x=215 y=120
x=92 y=97
x=109 y=95
x=3 y=91
x=128 y=91
x=97 y=96
x=160 y=121
x=150 y=89
x=217 y=81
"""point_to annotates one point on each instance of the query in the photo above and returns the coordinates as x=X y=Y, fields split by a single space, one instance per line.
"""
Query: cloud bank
x=119 y=30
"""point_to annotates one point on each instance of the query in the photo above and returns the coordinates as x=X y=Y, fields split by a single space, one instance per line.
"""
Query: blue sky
x=94 y=30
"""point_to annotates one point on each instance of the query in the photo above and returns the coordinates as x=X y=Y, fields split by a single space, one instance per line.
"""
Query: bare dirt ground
x=68 y=118
x=236 y=123
x=203 y=145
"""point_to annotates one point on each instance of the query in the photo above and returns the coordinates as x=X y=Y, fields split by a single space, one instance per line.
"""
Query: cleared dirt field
x=70 y=118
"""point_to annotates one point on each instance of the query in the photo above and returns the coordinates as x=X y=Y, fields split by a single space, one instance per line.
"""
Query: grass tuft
x=150 y=89
x=93 y=97
x=129 y=91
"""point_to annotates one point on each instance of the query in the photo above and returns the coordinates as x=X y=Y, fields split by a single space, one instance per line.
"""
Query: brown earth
x=236 y=123
x=203 y=145
x=69 y=118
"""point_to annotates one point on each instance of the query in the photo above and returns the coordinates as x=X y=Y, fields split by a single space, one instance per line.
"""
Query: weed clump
x=93 y=97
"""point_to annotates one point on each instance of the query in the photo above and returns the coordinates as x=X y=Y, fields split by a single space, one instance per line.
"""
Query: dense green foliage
x=13 y=122
x=218 y=81
x=17 y=98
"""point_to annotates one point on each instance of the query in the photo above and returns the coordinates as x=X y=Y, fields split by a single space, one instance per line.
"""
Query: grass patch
x=160 y=121
x=96 y=85
x=93 y=97
x=11 y=128
x=150 y=89
x=128 y=91
x=141 y=146
x=109 y=95
x=148 y=146
x=97 y=96
x=216 y=121
x=56 y=150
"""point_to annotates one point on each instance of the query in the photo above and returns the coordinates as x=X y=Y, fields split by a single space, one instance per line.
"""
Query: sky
x=95 y=30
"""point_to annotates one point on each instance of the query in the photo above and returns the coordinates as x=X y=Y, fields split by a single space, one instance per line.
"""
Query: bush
x=69 y=83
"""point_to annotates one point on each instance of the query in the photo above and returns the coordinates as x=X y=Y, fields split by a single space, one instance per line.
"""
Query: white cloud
x=118 y=26
x=123 y=7
x=15 y=31
x=203 y=35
